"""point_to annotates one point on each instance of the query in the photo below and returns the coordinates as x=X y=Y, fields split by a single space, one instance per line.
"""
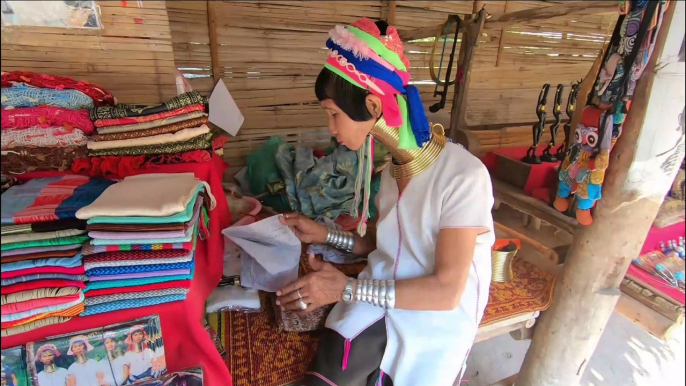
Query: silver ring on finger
x=299 y=295
x=302 y=304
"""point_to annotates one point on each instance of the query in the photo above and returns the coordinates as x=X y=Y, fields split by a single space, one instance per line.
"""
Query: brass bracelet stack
x=341 y=240
x=380 y=293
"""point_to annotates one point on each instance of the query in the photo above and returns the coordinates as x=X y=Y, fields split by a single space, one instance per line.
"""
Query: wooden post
x=568 y=333
x=389 y=10
x=501 y=42
x=214 y=45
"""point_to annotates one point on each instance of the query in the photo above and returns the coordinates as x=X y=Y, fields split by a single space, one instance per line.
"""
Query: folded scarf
x=188 y=236
x=113 y=257
x=131 y=303
x=123 y=110
x=46 y=116
x=27 y=251
x=41 y=243
x=49 y=321
x=47 y=226
x=11 y=317
x=15 y=229
x=186 y=284
x=126 y=269
x=91 y=301
x=22 y=160
x=166 y=194
x=151 y=117
x=42 y=276
x=38 y=294
x=38 y=303
x=47 y=283
x=42 y=137
x=138 y=235
x=147 y=262
x=151 y=124
x=202 y=142
x=79 y=270
x=6 y=239
x=184 y=216
x=99 y=95
x=161 y=139
x=22 y=96
x=171 y=128
x=72 y=311
x=40 y=255
x=90 y=249
x=123 y=284
x=141 y=275
x=65 y=262
x=133 y=228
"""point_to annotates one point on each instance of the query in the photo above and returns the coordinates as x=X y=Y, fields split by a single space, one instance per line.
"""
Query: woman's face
x=78 y=348
x=349 y=133
x=137 y=336
x=47 y=357
x=110 y=344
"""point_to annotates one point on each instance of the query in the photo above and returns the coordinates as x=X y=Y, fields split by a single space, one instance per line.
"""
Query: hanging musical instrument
x=537 y=129
x=557 y=110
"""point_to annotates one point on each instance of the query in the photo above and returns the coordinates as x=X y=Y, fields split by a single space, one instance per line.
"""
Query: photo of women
x=114 y=368
x=83 y=372
x=8 y=376
x=138 y=355
x=51 y=375
x=14 y=368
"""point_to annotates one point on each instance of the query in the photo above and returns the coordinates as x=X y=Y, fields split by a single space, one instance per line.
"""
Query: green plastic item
x=262 y=170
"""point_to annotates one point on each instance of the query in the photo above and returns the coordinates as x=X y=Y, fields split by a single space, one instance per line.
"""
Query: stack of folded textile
x=45 y=120
x=129 y=136
x=143 y=231
x=42 y=269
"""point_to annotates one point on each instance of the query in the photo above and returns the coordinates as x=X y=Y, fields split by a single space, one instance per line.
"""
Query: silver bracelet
x=342 y=240
x=380 y=293
x=375 y=293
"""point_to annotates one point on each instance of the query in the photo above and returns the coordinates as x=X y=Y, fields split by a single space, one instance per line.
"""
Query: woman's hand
x=308 y=231
x=323 y=286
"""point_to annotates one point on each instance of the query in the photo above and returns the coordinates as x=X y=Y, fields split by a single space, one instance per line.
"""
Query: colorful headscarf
x=362 y=56
x=79 y=339
x=129 y=337
x=45 y=347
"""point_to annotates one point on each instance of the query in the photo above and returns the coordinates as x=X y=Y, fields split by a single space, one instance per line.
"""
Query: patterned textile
x=113 y=257
x=48 y=199
x=179 y=136
x=147 y=262
x=39 y=255
x=123 y=110
x=41 y=243
x=198 y=143
x=26 y=251
x=131 y=303
x=66 y=262
x=290 y=321
x=138 y=288
x=118 y=270
x=141 y=275
x=49 y=321
x=42 y=137
x=99 y=95
x=149 y=118
x=38 y=293
x=22 y=96
x=90 y=249
x=151 y=124
x=37 y=303
x=91 y=301
x=22 y=160
x=136 y=282
x=172 y=128
x=42 y=276
x=118 y=167
x=72 y=311
x=13 y=317
x=46 y=116
x=6 y=239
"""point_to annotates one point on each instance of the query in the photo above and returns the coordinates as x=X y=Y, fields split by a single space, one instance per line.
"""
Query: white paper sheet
x=270 y=253
x=224 y=111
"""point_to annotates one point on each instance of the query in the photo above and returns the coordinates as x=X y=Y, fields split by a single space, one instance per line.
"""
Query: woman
x=51 y=375
x=412 y=315
x=83 y=372
x=138 y=355
x=115 y=370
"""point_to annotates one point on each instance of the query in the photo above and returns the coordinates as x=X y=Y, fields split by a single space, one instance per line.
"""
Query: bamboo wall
x=132 y=56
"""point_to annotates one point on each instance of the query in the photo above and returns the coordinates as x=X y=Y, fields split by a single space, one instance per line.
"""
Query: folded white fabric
x=153 y=195
x=179 y=136
x=233 y=298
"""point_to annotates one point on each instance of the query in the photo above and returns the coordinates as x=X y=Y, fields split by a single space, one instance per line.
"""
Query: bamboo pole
x=568 y=333
x=390 y=12
x=214 y=45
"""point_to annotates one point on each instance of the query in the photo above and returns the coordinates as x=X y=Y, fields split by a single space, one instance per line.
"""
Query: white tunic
x=55 y=378
x=139 y=362
x=427 y=348
x=85 y=372
x=113 y=371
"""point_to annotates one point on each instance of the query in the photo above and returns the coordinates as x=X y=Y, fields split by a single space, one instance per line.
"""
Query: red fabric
x=658 y=235
x=543 y=175
x=37 y=303
x=636 y=273
x=185 y=340
x=46 y=116
x=30 y=271
x=120 y=166
x=151 y=117
x=44 y=283
x=134 y=255
x=99 y=95
x=139 y=288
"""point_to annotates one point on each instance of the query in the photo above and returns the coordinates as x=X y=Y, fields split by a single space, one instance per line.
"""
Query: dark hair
x=348 y=97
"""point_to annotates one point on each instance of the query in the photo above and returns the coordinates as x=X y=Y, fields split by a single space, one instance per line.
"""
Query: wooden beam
x=478 y=5
x=570 y=9
x=501 y=42
x=569 y=331
x=214 y=45
x=390 y=11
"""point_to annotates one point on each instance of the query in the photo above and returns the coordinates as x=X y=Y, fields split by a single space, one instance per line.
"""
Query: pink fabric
x=30 y=271
x=37 y=303
x=46 y=116
x=44 y=283
x=136 y=235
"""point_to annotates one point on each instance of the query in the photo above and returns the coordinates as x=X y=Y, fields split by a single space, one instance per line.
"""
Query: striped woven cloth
x=121 y=283
x=72 y=311
x=49 y=321
x=154 y=262
x=131 y=303
x=135 y=255
x=91 y=301
x=90 y=249
x=118 y=270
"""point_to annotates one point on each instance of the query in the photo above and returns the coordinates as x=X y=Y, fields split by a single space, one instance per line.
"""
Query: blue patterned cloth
x=22 y=96
x=102 y=271
x=67 y=262
x=131 y=303
x=93 y=285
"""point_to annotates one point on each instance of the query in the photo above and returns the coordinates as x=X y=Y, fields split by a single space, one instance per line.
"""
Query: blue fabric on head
x=418 y=119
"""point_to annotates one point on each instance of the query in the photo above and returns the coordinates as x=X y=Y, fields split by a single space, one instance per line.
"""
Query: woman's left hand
x=323 y=286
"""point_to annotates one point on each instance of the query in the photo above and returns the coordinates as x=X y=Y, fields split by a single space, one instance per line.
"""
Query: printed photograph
x=14 y=370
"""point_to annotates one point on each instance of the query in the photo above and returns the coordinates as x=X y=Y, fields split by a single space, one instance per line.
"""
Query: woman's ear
x=374 y=105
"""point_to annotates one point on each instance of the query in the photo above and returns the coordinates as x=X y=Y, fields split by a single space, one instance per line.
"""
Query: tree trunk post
x=635 y=184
